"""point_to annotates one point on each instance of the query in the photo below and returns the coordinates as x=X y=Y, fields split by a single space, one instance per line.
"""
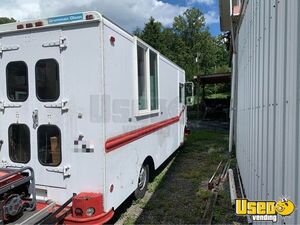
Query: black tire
x=142 y=184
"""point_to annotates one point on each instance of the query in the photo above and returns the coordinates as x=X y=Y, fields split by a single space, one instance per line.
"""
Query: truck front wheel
x=143 y=182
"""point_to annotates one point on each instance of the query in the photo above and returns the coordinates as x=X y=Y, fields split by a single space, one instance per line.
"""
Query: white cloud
x=127 y=13
x=206 y=2
x=211 y=17
x=20 y=9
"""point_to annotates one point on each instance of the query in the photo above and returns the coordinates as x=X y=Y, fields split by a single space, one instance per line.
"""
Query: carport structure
x=206 y=104
x=217 y=78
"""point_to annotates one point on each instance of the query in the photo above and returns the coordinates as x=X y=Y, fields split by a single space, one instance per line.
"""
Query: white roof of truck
x=74 y=18
x=65 y=20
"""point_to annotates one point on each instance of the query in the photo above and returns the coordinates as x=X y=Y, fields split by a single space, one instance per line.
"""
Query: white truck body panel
x=98 y=92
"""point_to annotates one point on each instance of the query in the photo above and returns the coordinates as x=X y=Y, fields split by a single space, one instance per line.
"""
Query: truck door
x=33 y=107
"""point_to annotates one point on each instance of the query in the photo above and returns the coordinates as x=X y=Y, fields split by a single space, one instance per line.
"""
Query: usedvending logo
x=264 y=210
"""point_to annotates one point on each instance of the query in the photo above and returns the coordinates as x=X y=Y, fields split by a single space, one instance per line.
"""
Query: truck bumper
x=97 y=220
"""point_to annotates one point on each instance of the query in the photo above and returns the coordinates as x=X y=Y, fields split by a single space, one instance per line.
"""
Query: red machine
x=17 y=193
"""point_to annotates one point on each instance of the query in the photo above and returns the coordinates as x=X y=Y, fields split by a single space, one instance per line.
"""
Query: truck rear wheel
x=143 y=182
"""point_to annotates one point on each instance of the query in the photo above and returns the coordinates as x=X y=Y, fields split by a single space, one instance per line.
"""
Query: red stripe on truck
x=126 y=138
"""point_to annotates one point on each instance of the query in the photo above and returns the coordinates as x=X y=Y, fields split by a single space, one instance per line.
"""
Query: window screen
x=153 y=81
x=49 y=145
x=17 y=81
x=19 y=143
x=142 y=78
x=47 y=80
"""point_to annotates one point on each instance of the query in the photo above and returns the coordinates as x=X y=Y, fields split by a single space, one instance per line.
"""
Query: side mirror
x=189 y=93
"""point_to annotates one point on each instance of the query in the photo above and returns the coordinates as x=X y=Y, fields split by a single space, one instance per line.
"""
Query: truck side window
x=47 y=80
x=142 y=78
x=17 y=81
x=49 y=145
x=153 y=80
x=181 y=93
x=19 y=143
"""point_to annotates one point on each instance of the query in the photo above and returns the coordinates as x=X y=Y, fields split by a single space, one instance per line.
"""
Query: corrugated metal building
x=265 y=37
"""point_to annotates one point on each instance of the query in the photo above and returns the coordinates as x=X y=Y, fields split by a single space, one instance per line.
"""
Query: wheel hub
x=142 y=178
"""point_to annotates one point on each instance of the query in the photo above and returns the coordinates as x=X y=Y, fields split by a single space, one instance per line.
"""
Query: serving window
x=181 y=93
x=142 y=78
x=153 y=80
x=147 y=76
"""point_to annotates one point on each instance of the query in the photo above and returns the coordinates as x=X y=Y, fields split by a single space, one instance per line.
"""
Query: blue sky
x=129 y=14
x=205 y=6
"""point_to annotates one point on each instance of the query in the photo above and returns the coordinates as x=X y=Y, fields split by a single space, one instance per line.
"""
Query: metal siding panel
x=260 y=105
x=296 y=17
x=265 y=160
x=270 y=193
x=256 y=89
x=278 y=101
x=290 y=171
x=268 y=101
x=290 y=88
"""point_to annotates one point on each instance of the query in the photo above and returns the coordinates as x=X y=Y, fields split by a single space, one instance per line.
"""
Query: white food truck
x=85 y=108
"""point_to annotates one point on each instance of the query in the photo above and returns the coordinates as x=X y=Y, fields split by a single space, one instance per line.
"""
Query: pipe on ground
x=232 y=187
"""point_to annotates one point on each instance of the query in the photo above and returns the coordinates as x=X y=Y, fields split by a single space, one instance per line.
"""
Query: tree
x=190 y=27
x=137 y=32
x=188 y=43
x=163 y=39
x=187 y=26
x=222 y=54
x=173 y=47
x=4 y=20
x=152 y=33
x=206 y=51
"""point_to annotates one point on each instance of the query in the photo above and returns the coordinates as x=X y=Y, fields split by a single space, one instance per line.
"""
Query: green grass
x=129 y=220
x=223 y=211
x=179 y=192
x=219 y=95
